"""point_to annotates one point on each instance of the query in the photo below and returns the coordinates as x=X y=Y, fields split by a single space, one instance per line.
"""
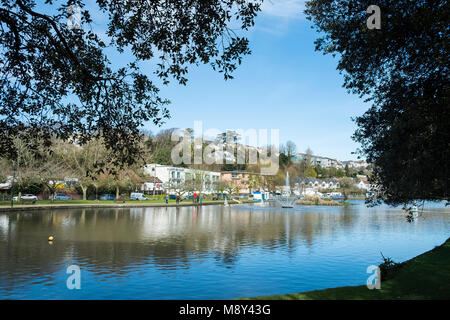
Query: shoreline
x=114 y=205
x=423 y=277
x=99 y=204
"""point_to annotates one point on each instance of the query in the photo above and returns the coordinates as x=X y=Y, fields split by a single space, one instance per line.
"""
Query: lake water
x=210 y=252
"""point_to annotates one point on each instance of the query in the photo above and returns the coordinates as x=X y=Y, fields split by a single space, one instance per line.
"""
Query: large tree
x=402 y=69
x=58 y=79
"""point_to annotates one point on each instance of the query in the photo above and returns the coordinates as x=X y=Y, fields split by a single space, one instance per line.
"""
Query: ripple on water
x=205 y=253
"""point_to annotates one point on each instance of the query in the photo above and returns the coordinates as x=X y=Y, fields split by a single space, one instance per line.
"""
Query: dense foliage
x=59 y=82
x=402 y=69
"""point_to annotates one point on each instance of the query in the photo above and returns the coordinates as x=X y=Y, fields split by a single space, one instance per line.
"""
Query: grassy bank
x=424 y=277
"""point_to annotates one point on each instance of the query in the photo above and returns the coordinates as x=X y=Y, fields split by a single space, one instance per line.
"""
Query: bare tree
x=291 y=149
x=81 y=162
x=51 y=174
x=24 y=164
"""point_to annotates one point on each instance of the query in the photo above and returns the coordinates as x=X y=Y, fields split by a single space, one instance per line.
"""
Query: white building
x=360 y=164
x=324 y=162
x=363 y=182
x=311 y=186
x=173 y=178
x=153 y=185
x=6 y=185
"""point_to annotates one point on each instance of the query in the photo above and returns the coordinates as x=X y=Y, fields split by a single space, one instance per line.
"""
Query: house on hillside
x=324 y=162
x=244 y=182
x=176 y=178
x=311 y=186
x=362 y=182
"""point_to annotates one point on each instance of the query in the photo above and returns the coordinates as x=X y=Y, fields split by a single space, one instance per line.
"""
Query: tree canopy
x=402 y=69
x=59 y=82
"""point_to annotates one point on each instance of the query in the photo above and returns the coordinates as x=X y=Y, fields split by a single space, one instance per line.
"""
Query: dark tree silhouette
x=402 y=69
x=58 y=82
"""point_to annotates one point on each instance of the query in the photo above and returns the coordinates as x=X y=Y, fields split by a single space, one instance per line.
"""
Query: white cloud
x=283 y=8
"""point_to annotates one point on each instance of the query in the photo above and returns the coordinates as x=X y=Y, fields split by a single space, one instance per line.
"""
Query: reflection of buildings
x=4 y=222
x=115 y=240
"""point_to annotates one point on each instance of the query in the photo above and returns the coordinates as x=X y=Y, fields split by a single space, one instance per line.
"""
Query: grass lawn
x=424 y=277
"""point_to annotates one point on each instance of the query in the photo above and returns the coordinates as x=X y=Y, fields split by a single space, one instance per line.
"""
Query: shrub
x=388 y=268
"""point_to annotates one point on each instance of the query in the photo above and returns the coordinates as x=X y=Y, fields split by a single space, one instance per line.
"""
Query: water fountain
x=286 y=200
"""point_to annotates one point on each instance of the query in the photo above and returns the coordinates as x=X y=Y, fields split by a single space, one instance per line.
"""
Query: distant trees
x=291 y=150
x=274 y=181
x=286 y=154
x=159 y=147
x=81 y=162
x=310 y=172
x=306 y=168
x=129 y=179
x=346 y=185
x=231 y=190
x=92 y=167
x=25 y=164
x=5 y=169
x=347 y=170
x=51 y=174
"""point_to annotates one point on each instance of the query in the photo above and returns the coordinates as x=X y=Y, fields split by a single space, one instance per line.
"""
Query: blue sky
x=284 y=84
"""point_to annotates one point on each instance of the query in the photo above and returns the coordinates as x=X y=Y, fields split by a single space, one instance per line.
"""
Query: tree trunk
x=84 y=189
x=117 y=192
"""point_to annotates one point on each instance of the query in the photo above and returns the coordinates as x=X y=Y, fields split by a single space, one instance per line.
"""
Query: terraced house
x=176 y=178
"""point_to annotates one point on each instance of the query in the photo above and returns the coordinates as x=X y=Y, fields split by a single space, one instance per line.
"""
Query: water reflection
x=194 y=244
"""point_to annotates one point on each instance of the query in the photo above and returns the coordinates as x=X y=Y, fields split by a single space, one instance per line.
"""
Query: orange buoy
x=51 y=238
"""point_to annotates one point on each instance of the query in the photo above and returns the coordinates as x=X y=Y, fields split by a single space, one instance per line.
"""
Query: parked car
x=107 y=196
x=137 y=196
x=61 y=196
x=27 y=197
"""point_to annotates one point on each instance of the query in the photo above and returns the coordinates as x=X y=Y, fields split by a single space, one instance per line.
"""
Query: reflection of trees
x=114 y=240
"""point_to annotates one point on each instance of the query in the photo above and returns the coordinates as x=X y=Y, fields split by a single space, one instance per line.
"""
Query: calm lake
x=210 y=252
